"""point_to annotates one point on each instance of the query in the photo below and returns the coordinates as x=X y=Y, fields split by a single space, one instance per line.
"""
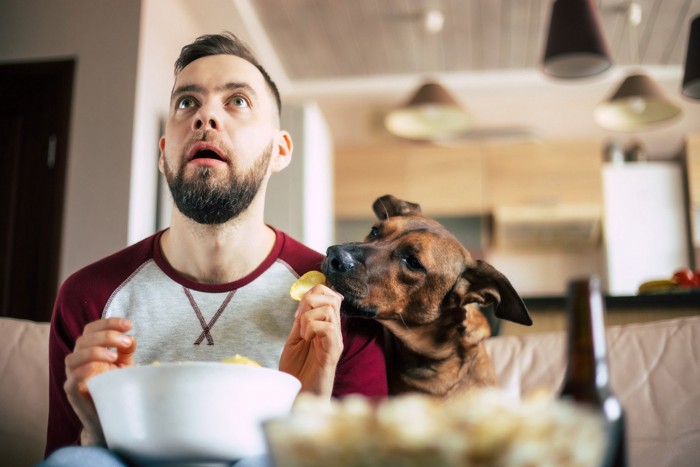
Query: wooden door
x=35 y=101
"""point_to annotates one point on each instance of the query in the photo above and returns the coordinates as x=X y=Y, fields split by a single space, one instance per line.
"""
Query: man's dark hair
x=225 y=43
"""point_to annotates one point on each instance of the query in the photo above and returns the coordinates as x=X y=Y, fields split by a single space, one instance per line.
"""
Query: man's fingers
x=117 y=324
x=319 y=295
x=323 y=314
x=105 y=338
x=84 y=356
x=102 y=346
x=322 y=334
x=317 y=329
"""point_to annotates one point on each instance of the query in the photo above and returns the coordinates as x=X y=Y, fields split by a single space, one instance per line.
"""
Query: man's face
x=219 y=139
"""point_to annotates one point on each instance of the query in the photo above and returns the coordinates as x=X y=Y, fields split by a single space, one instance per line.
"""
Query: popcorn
x=483 y=427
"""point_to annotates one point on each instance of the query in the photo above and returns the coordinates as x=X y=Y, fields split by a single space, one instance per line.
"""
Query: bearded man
x=216 y=282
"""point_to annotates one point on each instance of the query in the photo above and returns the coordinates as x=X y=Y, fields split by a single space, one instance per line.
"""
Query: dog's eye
x=374 y=233
x=413 y=263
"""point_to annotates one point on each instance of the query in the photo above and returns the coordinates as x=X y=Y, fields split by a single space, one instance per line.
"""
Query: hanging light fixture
x=638 y=102
x=576 y=47
x=691 y=76
x=432 y=114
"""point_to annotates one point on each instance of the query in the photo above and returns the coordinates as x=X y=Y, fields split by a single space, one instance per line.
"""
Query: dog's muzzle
x=340 y=259
x=344 y=268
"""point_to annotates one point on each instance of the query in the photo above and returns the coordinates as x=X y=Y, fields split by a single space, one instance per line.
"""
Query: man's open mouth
x=206 y=151
x=207 y=154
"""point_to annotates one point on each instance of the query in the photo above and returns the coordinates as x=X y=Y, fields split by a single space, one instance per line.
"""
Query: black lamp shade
x=691 y=76
x=576 y=47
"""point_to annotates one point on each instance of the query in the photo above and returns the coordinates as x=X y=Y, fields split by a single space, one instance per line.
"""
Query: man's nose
x=206 y=119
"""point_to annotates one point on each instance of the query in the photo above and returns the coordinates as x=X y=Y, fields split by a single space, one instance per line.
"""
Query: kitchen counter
x=676 y=300
x=549 y=313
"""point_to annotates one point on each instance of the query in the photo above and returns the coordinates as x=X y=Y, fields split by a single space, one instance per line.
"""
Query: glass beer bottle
x=587 y=379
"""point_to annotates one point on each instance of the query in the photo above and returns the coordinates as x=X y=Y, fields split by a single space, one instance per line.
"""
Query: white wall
x=102 y=35
x=300 y=198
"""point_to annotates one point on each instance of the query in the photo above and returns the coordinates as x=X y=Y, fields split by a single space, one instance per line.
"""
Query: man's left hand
x=315 y=342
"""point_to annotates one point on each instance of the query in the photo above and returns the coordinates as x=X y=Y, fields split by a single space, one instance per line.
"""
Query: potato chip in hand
x=306 y=283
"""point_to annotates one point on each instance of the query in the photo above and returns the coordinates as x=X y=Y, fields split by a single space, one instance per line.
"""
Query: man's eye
x=239 y=101
x=185 y=103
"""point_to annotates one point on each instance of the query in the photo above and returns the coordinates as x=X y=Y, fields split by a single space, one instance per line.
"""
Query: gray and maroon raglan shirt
x=176 y=319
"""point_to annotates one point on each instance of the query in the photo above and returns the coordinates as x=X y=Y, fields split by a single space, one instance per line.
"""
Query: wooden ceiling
x=357 y=59
x=340 y=39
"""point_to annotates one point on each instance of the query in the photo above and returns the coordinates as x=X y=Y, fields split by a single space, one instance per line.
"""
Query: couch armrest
x=655 y=371
x=24 y=390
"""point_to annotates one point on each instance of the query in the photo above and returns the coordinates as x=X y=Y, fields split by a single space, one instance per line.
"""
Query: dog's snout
x=340 y=259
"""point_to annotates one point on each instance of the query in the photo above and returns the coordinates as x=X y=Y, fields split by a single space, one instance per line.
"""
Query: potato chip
x=240 y=360
x=306 y=283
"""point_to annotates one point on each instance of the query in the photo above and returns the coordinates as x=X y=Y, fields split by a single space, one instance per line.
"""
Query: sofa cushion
x=655 y=371
x=24 y=395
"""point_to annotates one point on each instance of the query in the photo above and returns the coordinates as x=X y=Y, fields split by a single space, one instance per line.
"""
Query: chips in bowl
x=190 y=412
x=240 y=360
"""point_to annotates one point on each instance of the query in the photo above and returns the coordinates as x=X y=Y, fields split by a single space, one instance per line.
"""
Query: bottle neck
x=587 y=374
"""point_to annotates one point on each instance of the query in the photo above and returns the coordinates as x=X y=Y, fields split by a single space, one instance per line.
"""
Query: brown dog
x=422 y=285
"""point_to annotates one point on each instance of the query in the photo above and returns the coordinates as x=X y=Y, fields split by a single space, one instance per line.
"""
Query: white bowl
x=190 y=412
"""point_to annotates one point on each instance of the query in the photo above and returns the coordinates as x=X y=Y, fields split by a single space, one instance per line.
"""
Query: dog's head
x=411 y=268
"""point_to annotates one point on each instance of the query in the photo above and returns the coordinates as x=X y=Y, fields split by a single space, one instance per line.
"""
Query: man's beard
x=207 y=201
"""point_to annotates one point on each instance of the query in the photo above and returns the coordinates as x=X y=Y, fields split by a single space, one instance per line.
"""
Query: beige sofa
x=24 y=394
x=655 y=371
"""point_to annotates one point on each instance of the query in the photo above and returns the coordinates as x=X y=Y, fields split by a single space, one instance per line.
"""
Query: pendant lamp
x=432 y=114
x=637 y=104
x=576 y=47
x=691 y=76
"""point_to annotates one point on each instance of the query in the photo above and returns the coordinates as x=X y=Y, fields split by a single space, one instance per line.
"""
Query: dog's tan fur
x=422 y=285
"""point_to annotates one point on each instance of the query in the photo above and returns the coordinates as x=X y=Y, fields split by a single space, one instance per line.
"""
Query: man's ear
x=282 y=157
x=482 y=283
x=389 y=206
x=161 y=158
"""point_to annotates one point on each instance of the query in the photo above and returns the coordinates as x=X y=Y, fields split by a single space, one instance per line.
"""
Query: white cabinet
x=645 y=223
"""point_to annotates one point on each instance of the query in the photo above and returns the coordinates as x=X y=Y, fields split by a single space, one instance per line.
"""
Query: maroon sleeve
x=80 y=300
x=63 y=426
x=298 y=256
x=362 y=367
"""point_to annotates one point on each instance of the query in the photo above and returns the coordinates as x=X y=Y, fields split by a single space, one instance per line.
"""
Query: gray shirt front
x=173 y=323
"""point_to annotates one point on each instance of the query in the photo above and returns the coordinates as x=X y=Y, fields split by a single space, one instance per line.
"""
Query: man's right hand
x=103 y=346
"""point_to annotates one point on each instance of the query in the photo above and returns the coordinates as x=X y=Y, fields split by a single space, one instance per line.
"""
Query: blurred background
x=532 y=182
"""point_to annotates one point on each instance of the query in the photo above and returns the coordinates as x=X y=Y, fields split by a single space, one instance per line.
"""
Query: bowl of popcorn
x=484 y=427
x=190 y=411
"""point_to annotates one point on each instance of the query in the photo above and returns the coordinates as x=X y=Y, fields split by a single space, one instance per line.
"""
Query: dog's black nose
x=339 y=259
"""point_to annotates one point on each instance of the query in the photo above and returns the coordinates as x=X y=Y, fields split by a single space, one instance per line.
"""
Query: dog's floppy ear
x=482 y=283
x=389 y=206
